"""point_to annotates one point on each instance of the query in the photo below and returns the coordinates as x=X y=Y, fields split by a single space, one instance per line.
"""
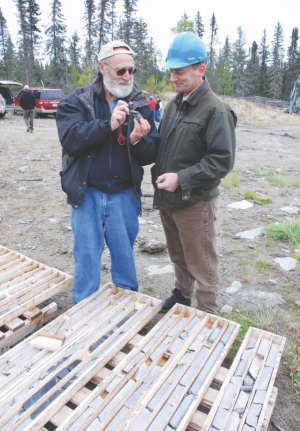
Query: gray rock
x=152 y=246
x=234 y=287
x=286 y=263
x=250 y=234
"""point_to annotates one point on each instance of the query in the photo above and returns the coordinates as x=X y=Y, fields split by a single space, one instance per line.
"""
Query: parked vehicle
x=47 y=101
x=7 y=96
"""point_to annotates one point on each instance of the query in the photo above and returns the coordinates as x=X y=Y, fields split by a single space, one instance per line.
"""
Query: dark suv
x=47 y=101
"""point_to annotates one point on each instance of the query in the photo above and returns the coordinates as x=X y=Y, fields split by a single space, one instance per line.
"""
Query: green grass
x=263 y=265
x=286 y=182
x=261 y=319
x=233 y=179
x=286 y=290
x=285 y=231
x=148 y=290
x=252 y=196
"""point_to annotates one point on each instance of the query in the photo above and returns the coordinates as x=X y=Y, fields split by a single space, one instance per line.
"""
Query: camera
x=137 y=115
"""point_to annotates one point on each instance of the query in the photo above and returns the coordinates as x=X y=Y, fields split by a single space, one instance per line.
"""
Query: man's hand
x=119 y=114
x=141 y=128
x=168 y=182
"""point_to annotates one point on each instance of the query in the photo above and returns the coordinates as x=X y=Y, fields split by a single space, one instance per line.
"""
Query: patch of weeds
x=246 y=275
x=231 y=180
x=243 y=262
x=287 y=230
x=252 y=196
x=264 y=199
x=292 y=356
x=148 y=290
x=297 y=255
x=245 y=322
x=47 y=207
x=263 y=265
x=261 y=319
x=286 y=182
x=254 y=251
x=286 y=290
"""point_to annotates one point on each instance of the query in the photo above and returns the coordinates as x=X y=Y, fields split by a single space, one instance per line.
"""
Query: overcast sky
x=161 y=15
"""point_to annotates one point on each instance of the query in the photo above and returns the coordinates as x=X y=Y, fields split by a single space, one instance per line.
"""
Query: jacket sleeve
x=220 y=155
x=78 y=131
x=145 y=151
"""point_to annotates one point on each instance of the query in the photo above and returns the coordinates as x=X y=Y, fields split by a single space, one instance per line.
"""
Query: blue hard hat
x=186 y=49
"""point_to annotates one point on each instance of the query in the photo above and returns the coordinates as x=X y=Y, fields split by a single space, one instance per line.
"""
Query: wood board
x=107 y=376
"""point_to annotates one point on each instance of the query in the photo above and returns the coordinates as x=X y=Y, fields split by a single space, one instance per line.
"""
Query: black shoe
x=176 y=298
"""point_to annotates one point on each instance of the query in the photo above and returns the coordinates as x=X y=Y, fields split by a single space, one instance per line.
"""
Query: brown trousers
x=191 y=240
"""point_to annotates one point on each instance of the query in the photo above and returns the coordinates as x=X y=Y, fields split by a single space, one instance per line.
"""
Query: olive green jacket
x=198 y=143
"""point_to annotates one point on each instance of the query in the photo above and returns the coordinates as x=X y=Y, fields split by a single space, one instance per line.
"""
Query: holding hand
x=168 y=182
x=119 y=114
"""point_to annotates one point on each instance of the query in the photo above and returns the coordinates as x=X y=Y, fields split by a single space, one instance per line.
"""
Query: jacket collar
x=195 y=95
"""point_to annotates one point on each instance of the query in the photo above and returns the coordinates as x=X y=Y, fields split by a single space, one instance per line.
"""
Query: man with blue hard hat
x=197 y=150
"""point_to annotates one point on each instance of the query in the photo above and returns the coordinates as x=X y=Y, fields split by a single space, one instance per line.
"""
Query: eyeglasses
x=120 y=72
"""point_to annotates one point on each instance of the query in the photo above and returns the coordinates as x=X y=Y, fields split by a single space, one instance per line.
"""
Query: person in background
x=152 y=102
x=27 y=103
x=197 y=150
x=104 y=149
x=158 y=110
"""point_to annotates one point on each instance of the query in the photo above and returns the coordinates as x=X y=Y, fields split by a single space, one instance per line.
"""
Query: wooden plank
x=10 y=338
x=14 y=324
x=24 y=284
x=124 y=318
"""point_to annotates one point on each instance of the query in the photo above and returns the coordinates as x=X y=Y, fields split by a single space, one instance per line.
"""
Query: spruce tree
x=252 y=72
x=4 y=41
x=199 y=26
x=277 y=67
x=293 y=65
x=264 y=68
x=90 y=28
x=224 y=83
x=55 y=47
x=239 y=61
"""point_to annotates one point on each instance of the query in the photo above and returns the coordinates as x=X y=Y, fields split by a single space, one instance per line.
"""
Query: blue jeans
x=104 y=218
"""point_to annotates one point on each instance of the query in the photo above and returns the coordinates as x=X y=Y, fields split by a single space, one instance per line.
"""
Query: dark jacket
x=198 y=143
x=81 y=134
x=27 y=100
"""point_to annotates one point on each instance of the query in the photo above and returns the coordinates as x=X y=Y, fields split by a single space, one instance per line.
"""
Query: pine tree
x=277 y=68
x=224 y=83
x=90 y=27
x=102 y=25
x=213 y=40
x=252 y=72
x=4 y=40
x=55 y=47
x=293 y=65
x=129 y=19
x=239 y=60
x=24 y=45
x=199 y=26
x=144 y=49
x=112 y=18
x=264 y=68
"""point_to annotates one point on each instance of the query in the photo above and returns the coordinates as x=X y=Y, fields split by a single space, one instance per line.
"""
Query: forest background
x=235 y=69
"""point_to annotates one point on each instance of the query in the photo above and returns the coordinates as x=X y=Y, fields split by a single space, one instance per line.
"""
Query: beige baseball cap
x=113 y=48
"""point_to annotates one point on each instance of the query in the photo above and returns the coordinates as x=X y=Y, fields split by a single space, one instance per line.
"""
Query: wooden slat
x=124 y=314
x=24 y=284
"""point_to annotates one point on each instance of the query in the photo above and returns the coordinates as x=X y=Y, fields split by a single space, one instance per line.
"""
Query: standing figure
x=158 y=110
x=27 y=103
x=104 y=149
x=152 y=102
x=197 y=150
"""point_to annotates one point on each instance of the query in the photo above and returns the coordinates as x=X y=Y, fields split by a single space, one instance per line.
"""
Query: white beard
x=118 y=88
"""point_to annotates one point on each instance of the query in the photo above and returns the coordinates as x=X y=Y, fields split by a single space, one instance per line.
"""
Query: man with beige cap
x=104 y=149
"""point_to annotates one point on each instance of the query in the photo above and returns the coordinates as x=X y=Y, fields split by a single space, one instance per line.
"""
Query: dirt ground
x=34 y=220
